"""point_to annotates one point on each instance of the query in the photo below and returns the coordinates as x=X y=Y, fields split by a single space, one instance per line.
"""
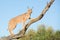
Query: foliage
x=42 y=34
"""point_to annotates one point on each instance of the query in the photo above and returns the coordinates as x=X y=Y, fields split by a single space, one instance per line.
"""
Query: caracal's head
x=29 y=11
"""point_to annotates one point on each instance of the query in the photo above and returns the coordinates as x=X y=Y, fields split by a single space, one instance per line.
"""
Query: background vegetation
x=42 y=33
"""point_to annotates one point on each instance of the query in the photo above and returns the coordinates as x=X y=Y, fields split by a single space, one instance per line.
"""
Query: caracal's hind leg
x=11 y=28
x=11 y=33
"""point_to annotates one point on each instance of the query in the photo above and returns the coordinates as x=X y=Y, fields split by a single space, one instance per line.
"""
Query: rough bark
x=22 y=32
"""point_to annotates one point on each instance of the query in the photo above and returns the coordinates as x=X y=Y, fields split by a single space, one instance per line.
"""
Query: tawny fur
x=18 y=19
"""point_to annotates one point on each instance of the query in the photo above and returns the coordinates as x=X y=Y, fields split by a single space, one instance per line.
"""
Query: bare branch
x=35 y=19
x=22 y=32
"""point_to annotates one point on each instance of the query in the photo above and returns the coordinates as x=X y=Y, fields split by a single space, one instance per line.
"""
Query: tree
x=22 y=32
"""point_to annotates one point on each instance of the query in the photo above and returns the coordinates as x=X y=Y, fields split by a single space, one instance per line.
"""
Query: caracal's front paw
x=12 y=35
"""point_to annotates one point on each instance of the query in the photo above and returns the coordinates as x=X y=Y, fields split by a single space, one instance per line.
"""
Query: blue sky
x=12 y=8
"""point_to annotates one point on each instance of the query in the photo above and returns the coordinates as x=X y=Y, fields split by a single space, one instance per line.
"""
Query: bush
x=42 y=34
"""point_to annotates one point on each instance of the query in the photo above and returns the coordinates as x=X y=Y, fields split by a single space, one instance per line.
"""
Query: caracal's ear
x=28 y=8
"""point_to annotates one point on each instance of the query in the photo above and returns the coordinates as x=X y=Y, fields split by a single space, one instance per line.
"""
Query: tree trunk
x=22 y=32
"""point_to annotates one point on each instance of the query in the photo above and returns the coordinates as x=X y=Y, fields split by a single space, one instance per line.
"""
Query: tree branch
x=22 y=32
